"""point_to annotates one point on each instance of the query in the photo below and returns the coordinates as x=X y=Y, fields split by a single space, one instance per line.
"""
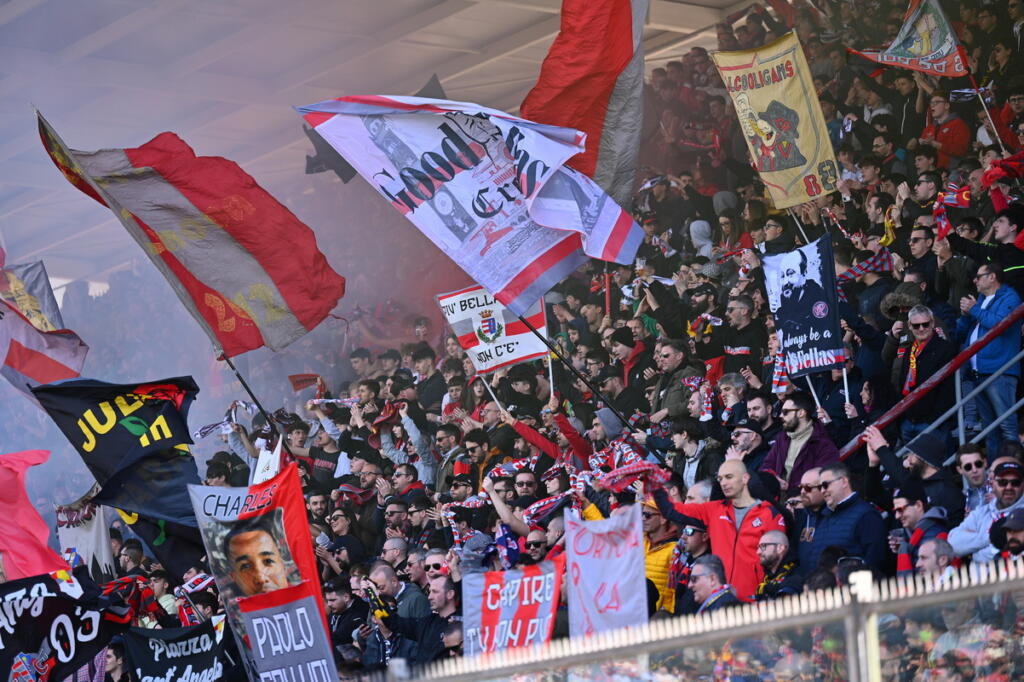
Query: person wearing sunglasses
x=924 y=353
x=536 y=548
x=851 y=523
x=972 y=536
x=920 y=520
x=996 y=300
x=693 y=544
x=971 y=465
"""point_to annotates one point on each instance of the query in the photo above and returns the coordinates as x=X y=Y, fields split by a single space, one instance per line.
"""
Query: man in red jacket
x=735 y=525
x=947 y=133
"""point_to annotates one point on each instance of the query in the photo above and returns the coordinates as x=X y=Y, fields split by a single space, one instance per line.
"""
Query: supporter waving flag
x=490 y=190
x=243 y=265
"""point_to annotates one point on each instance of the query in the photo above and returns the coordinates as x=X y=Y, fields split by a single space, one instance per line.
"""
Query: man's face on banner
x=256 y=563
x=792 y=275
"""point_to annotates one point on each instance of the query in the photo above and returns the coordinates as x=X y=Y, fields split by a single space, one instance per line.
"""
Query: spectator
x=781 y=577
x=710 y=590
x=803 y=443
x=850 y=522
x=972 y=535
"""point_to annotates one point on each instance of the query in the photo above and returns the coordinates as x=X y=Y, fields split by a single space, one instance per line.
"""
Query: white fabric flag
x=605 y=570
x=490 y=333
x=489 y=189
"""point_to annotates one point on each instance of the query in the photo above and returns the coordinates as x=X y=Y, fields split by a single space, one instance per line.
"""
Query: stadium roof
x=224 y=75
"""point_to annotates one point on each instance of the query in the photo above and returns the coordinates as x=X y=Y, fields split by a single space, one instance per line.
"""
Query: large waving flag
x=243 y=265
x=490 y=190
x=31 y=357
x=133 y=438
x=24 y=536
x=592 y=80
x=926 y=42
x=489 y=332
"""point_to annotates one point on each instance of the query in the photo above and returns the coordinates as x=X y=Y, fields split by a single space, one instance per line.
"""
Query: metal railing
x=937 y=378
x=851 y=617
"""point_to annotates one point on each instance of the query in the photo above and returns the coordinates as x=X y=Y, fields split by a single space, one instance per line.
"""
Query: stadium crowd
x=410 y=461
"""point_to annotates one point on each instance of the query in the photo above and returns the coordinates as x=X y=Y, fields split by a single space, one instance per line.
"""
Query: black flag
x=133 y=439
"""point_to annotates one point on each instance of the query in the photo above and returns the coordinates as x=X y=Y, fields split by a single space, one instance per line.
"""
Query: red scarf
x=904 y=564
x=915 y=350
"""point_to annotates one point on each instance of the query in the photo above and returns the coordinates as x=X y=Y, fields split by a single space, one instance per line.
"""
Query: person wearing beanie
x=632 y=357
x=924 y=465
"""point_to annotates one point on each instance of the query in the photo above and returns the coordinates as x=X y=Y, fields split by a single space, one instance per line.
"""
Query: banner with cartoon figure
x=490 y=333
x=257 y=541
x=777 y=105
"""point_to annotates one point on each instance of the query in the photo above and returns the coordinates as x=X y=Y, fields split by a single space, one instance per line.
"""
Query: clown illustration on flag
x=926 y=42
x=778 y=110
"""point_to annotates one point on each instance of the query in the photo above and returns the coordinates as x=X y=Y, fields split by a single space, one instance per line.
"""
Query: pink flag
x=23 y=534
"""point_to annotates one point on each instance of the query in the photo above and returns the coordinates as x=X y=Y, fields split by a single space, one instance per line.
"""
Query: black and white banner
x=190 y=654
x=802 y=297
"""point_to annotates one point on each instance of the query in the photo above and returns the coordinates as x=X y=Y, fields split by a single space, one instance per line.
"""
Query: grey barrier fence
x=966 y=624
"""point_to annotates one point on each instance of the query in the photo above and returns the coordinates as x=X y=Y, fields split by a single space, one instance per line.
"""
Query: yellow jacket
x=657 y=562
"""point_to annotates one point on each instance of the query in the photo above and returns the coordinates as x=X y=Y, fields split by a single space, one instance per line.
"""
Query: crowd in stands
x=420 y=460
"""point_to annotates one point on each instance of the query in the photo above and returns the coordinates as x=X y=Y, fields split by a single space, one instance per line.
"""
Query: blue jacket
x=1002 y=348
x=856 y=526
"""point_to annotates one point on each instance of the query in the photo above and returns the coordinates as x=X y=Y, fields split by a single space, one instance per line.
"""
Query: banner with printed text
x=192 y=654
x=258 y=543
x=774 y=96
x=604 y=565
x=490 y=333
x=802 y=297
x=288 y=641
x=52 y=624
x=489 y=189
x=509 y=609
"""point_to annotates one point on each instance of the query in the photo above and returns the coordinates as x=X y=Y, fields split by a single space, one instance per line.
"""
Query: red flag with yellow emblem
x=247 y=269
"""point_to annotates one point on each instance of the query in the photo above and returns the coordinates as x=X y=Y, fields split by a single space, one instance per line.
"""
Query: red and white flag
x=592 y=80
x=490 y=190
x=243 y=265
x=510 y=609
x=32 y=357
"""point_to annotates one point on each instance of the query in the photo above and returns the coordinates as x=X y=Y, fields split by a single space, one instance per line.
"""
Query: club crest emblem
x=489 y=328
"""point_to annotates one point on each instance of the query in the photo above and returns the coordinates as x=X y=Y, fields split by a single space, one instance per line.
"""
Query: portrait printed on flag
x=802 y=297
x=253 y=553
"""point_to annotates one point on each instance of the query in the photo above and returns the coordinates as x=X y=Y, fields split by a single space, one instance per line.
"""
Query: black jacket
x=426 y=632
x=944 y=488
x=936 y=353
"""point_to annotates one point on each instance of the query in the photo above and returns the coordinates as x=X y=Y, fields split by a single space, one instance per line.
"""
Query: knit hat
x=912 y=491
x=624 y=335
x=930 y=448
x=611 y=423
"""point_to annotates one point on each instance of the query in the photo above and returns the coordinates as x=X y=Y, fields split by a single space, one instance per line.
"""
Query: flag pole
x=259 y=406
x=497 y=402
x=977 y=92
x=813 y=392
x=551 y=374
x=579 y=375
x=799 y=225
